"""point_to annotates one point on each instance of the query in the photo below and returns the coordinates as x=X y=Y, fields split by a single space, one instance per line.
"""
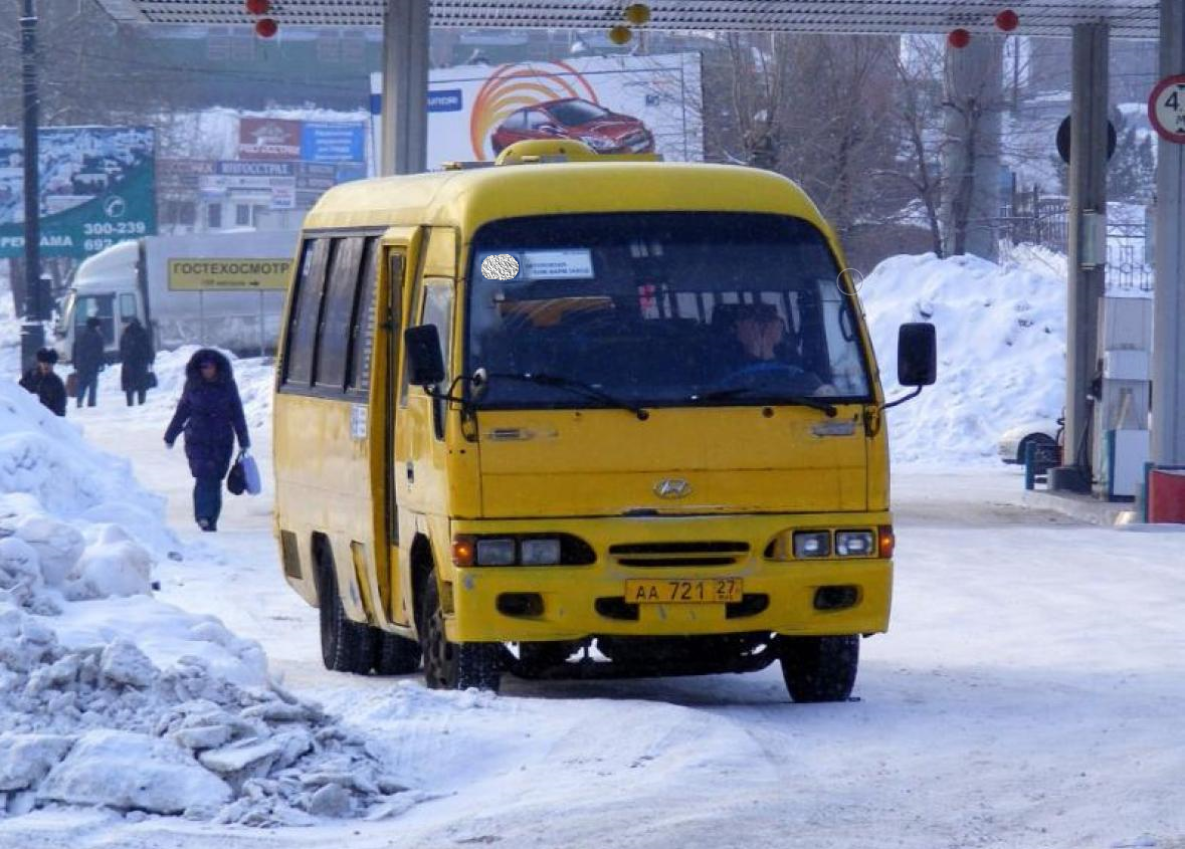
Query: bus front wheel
x=454 y=666
x=819 y=669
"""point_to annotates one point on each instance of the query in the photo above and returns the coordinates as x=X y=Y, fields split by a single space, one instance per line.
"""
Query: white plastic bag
x=251 y=472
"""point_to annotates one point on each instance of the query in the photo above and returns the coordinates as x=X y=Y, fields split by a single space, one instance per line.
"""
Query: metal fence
x=1036 y=219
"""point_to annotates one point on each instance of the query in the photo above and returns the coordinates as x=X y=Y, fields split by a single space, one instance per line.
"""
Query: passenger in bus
x=210 y=413
x=88 y=360
x=43 y=382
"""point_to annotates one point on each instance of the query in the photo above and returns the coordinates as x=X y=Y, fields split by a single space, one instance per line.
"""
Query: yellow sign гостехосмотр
x=234 y=274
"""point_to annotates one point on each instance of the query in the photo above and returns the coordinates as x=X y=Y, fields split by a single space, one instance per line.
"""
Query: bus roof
x=469 y=198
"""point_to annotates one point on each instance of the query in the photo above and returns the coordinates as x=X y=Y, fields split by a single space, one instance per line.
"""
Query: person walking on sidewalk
x=136 y=356
x=88 y=360
x=210 y=413
x=43 y=382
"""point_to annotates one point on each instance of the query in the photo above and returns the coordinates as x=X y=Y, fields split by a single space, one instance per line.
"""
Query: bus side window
x=362 y=328
x=306 y=313
x=333 y=338
x=415 y=311
x=438 y=311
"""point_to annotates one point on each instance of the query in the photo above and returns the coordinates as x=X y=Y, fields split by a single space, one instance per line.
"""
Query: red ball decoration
x=1007 y=21
x=259 y=7
x=958 y=38
x=266 y=27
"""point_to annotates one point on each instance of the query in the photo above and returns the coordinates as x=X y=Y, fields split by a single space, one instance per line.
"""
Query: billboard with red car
x=614 y=104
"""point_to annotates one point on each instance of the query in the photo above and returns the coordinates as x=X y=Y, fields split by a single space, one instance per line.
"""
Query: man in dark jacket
x=136 y=356
x=88 y=360
x=210 y=413
x=44 y=383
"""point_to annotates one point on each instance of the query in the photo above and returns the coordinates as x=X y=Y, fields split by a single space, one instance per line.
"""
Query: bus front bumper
x=564 y=603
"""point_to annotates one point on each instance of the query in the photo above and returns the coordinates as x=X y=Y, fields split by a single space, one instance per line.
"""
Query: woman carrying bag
x=210 y=413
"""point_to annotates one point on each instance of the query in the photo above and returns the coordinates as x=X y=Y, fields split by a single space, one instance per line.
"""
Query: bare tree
x=919 y=133
x=814 y=108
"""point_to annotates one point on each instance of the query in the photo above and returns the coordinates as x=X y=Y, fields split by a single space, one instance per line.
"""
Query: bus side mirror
x=424 y=360
x=917 y=355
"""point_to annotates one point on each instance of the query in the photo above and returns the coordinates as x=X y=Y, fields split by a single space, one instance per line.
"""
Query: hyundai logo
x=672 y=488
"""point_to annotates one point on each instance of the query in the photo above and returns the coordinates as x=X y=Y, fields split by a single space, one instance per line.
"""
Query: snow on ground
x=1027 y=695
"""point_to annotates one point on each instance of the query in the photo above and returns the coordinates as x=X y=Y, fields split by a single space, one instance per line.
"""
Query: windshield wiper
x=736 y=391
x=576 y=387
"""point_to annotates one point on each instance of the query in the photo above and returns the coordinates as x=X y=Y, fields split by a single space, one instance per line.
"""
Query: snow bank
x=1001 y=349
x=110 y=697
x=10 y=328
x=48 y=470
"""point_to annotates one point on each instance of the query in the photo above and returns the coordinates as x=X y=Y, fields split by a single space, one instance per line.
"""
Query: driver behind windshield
x=764 y=354
x=760 y=331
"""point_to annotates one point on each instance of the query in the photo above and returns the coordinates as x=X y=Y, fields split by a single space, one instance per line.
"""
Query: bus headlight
x=855 y=543
x=812 y=543
x=539 y=552
x=495 y=552
x=557 y=549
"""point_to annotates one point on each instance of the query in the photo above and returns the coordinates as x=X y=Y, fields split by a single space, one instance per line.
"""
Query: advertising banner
x=97 y=187
x=332 y=142
x=271 y=183
x=614 y=104
x=193 y=274
x=269 y=138
x=181 y=176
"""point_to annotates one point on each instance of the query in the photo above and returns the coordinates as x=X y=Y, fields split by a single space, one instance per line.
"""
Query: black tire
x=396 y=655
x=1036 y=438
x=346 y=646
x=819 y=669
x=454 y=666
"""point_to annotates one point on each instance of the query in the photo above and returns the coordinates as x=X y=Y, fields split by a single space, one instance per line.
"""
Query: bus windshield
x=660 y=309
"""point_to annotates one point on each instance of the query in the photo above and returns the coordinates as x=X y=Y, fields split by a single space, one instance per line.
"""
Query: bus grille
x=709 y=553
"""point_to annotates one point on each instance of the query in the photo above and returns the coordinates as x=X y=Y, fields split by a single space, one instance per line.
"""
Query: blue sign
x=347 y=171
x=332 y=142
x=447 y=100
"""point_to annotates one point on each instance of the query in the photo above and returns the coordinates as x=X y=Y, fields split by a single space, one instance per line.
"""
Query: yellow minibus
x=581 y=416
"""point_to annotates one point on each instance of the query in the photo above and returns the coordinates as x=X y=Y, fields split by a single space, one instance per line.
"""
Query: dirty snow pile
x=109 y=697
x=1001 y=349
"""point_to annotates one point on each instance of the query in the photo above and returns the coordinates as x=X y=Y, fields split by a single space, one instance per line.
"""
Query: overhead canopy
x=1128 y=18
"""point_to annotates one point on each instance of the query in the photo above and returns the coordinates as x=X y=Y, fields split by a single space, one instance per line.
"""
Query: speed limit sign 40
x=1166 y=108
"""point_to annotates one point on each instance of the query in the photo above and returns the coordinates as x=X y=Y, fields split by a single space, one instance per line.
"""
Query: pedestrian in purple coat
x=210 y=413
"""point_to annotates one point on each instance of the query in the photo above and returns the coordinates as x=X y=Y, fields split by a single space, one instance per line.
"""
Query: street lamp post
x=32 y=332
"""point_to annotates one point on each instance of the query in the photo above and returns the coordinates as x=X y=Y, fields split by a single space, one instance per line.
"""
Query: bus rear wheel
x=819 y=669
x=454 y=666
x=396 y=655
x=346 y=646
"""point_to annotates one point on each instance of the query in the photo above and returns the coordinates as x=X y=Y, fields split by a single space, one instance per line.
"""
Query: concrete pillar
x=971 y=149
x=1087 y=248
x=404 y=136
x=1168 y=331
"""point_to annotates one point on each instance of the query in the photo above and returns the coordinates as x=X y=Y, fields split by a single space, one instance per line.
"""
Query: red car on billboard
x=574 y=118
